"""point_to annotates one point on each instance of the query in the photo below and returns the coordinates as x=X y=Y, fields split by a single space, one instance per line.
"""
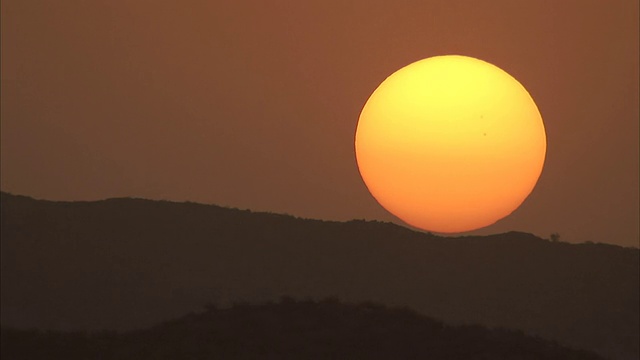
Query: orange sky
x=254 y=104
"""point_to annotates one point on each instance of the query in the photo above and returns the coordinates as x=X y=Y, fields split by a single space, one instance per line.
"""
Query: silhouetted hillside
x=291 y=330
x=130 y=263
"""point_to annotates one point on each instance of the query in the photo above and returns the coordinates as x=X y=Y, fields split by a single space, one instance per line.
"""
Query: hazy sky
x=254 y=104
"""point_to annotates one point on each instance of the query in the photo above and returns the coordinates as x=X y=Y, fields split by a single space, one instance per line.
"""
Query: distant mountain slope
x=129 y=263
x=291 y=330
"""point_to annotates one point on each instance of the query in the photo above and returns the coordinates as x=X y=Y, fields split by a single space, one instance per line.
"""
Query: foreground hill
x=129 y=263
x=291 y=330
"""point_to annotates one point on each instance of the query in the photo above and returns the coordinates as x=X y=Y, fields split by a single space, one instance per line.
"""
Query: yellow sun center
x=450 y=144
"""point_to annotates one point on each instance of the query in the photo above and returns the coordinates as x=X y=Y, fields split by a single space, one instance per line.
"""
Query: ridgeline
x=125 y=264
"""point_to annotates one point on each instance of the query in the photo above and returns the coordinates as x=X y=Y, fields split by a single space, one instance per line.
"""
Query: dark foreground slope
x=128 y=263
x=291 y=330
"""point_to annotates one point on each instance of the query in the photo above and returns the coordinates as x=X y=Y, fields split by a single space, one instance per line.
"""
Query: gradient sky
x=254 y=104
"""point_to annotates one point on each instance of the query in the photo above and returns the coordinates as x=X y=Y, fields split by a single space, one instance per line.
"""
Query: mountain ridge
x=231 y=208
x=291 y=329
x=129 y=263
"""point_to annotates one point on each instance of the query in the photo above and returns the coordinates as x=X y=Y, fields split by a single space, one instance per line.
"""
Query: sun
x=450 y=144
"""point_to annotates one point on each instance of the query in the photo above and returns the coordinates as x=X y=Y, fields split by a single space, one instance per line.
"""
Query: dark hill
x=130 y=263
x=291 y=330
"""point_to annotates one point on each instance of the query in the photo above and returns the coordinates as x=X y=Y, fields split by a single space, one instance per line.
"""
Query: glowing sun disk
x=450 y=144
